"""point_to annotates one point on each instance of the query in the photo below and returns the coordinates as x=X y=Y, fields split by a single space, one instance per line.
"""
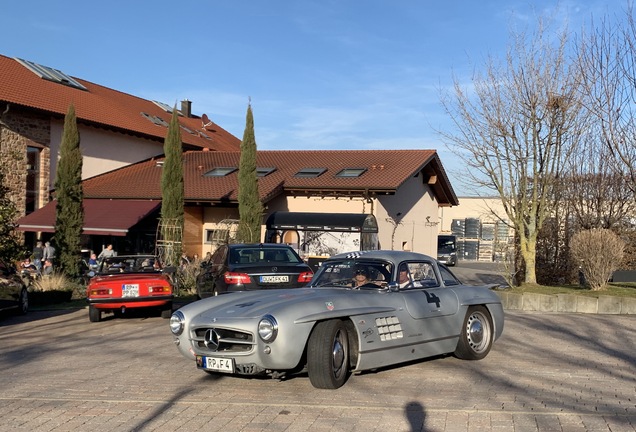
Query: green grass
x=627 y=289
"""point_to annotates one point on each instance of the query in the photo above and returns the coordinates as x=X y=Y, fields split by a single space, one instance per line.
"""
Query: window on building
x=351 y=172
x=310 y=172
x=33 y=179
x=220 y=171
x=50 y=74
x=263 y=171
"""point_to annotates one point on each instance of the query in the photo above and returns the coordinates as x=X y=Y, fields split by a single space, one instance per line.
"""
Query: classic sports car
x=124 y=282
x=243 y=267
x=361 y=311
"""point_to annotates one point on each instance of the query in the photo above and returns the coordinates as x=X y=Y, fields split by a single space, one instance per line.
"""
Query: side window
x=424 y=275
x=448 y=278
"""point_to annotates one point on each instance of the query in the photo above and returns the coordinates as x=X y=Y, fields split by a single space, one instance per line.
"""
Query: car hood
x=300 y=303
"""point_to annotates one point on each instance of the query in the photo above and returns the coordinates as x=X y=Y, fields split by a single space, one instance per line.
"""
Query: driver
x=361 y=277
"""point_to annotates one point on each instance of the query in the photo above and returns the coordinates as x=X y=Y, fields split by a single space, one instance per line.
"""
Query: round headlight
x=268 y=328
x=177 y=323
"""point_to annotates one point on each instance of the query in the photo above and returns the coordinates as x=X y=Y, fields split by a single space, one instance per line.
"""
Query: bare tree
x=598 y=251
x=608 y=70
x=517 y=128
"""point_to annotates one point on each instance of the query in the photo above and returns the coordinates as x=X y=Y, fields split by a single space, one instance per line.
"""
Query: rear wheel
x=328 y=355
x=476 y=335
x=94 y=314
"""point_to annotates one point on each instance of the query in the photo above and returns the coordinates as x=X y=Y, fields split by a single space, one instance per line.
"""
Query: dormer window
x=310 y=172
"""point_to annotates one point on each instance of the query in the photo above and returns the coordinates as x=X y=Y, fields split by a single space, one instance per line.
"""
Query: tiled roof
x=386 y=171
x=103 y=107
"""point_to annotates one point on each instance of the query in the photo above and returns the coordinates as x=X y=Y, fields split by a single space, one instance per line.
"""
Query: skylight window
x=310 y=172
x=167 y=108
x=351 y=172
x=156 y=120
x=50 y=74
x=264 y=171
x=220 y=172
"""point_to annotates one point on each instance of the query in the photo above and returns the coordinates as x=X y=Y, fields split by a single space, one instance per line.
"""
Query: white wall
x=103 y=150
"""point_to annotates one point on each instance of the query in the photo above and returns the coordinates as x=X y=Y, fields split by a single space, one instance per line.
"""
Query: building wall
x=103 y=150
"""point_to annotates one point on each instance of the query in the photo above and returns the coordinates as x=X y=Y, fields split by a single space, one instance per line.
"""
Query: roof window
x=310 y=172
x=50 y=74
x=351 y=172
x=220 y=172
x=156 y=120
x=264 y=171
x=167 y=108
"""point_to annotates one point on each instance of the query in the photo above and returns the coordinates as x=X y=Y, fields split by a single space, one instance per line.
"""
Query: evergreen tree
x=250 y=206
x=172 y=192
x=69 y=217
x=10 y=249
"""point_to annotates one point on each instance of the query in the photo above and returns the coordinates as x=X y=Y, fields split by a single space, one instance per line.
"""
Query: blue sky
x=320 y=74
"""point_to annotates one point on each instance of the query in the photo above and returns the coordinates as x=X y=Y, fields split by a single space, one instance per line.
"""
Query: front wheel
x=328 y=355
x=476 y=335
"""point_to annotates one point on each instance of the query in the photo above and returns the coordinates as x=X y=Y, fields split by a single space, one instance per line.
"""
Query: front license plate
x=130 y=290
x=274 y=279
x=216 y=364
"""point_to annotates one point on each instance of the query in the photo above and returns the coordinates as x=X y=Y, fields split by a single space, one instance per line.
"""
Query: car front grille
x=216 y=340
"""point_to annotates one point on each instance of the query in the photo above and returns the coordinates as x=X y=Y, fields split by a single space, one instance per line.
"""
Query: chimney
x=186 y=108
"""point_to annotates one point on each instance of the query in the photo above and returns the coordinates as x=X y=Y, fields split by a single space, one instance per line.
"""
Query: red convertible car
x=127 y=282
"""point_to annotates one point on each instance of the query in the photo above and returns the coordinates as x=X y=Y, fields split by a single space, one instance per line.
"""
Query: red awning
x=101 y=216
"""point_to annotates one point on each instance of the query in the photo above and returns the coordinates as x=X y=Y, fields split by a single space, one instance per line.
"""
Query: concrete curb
x=568 y=303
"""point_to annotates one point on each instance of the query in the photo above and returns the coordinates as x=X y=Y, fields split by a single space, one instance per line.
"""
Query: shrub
x=186 y=278
x=599 y=252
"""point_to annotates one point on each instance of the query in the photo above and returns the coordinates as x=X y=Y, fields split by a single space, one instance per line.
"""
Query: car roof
x=388 y=255
x=258 y=245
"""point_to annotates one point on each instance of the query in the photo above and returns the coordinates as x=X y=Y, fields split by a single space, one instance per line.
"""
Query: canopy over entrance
x=339 y=222
x=101 y=216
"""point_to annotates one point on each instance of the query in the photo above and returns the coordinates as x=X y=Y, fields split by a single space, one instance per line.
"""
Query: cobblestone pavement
x=549 y=372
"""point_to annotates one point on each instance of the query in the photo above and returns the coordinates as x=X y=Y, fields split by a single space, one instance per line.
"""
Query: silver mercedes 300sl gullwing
x=361 y=311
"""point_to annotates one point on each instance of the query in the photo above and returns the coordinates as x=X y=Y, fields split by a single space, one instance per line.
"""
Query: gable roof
x=103 y=107
x=384 y=172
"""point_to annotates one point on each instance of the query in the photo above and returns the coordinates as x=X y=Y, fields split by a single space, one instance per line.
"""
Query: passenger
x=106 y=253
x=403 y=277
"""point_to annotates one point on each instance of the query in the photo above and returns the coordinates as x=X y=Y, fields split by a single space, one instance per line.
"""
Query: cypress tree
x=250 y=206
x=69 y=216
x=172 y=192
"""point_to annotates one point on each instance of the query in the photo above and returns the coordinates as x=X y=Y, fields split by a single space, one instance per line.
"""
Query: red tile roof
x=386 y=171
x=103 y=107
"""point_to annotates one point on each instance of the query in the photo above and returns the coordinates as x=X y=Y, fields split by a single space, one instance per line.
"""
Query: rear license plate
x=274 y=279
x=216 y=364
x=130 y=290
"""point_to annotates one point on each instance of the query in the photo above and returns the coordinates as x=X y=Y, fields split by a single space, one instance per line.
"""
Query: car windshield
x=343 y=273
x=140 y=264
x=262 y=255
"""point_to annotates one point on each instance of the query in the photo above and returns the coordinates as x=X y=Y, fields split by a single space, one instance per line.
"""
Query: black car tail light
x=236 y=278
x=305 y=277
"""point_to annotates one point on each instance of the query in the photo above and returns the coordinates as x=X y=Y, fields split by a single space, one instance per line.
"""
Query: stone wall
x=20 y=129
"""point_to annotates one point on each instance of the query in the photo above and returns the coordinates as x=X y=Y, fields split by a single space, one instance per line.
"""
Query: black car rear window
x=264 y=255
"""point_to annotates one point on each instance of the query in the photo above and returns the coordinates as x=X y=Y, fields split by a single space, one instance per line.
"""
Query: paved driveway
x=549 y=372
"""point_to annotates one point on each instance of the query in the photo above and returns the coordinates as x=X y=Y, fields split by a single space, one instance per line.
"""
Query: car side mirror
x=393 y=286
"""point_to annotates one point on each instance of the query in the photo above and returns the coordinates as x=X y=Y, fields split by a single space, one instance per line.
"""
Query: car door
x=208 y=284
x=428 y=301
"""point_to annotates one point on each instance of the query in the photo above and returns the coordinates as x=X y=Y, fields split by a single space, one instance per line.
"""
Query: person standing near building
x=48 y=252
x=38 y=255
x=106 y=253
